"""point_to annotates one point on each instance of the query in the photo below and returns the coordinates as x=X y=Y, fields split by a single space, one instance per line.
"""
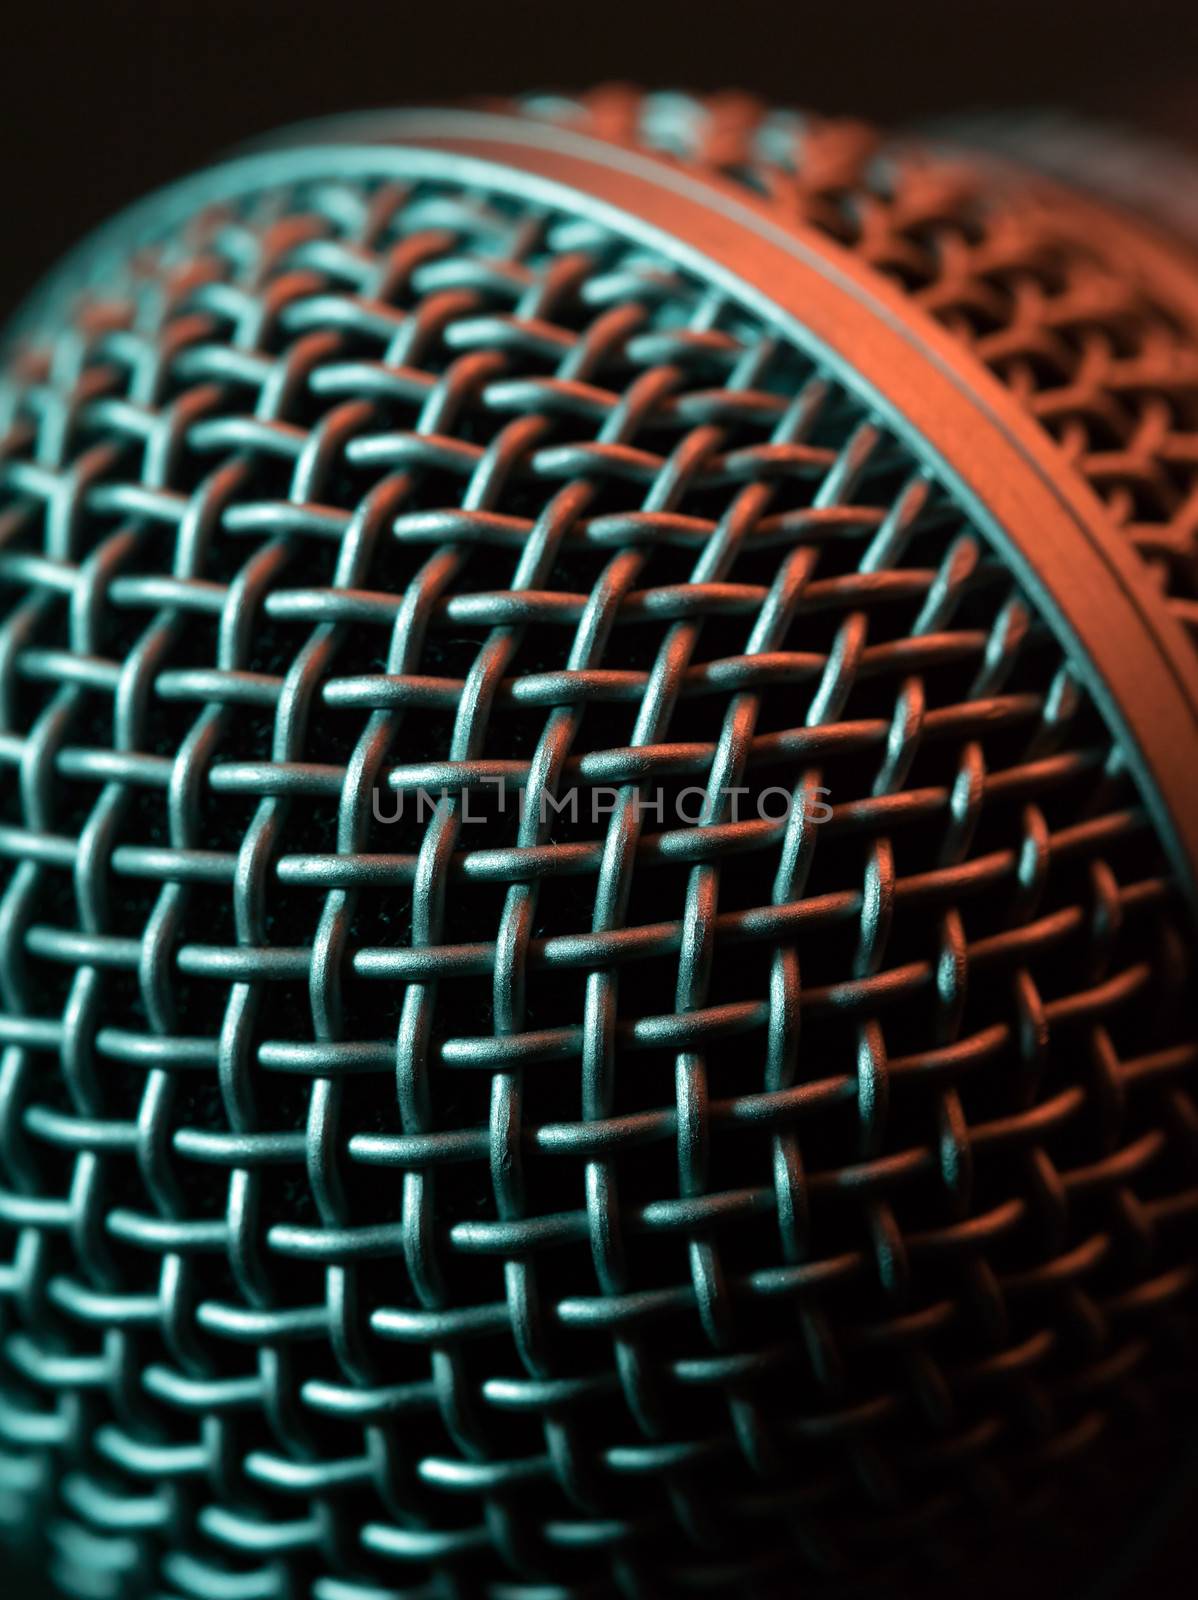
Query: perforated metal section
x=620 y=1202
x=1052 y=304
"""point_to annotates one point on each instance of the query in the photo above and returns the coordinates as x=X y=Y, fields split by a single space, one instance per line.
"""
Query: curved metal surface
x=1142 y=669
x=403 y=1204
x=1050 y=527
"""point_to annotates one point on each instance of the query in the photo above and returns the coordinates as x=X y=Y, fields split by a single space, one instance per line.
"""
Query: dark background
x=101 y=102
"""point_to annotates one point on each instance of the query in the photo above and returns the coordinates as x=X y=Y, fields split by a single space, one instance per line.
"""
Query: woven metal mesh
x=533 y=1205
x=1048 y=301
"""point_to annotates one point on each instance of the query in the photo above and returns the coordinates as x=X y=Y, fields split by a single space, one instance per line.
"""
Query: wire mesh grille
x=475 y=1200
x=1051 y=305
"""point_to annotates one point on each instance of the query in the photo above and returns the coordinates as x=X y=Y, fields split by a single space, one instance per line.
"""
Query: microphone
x=597 y=869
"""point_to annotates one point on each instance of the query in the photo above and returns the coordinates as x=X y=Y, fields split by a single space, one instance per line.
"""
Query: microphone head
x=597 y=854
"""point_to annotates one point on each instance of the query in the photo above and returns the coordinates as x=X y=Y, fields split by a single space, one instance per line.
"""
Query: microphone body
x=597 y=868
